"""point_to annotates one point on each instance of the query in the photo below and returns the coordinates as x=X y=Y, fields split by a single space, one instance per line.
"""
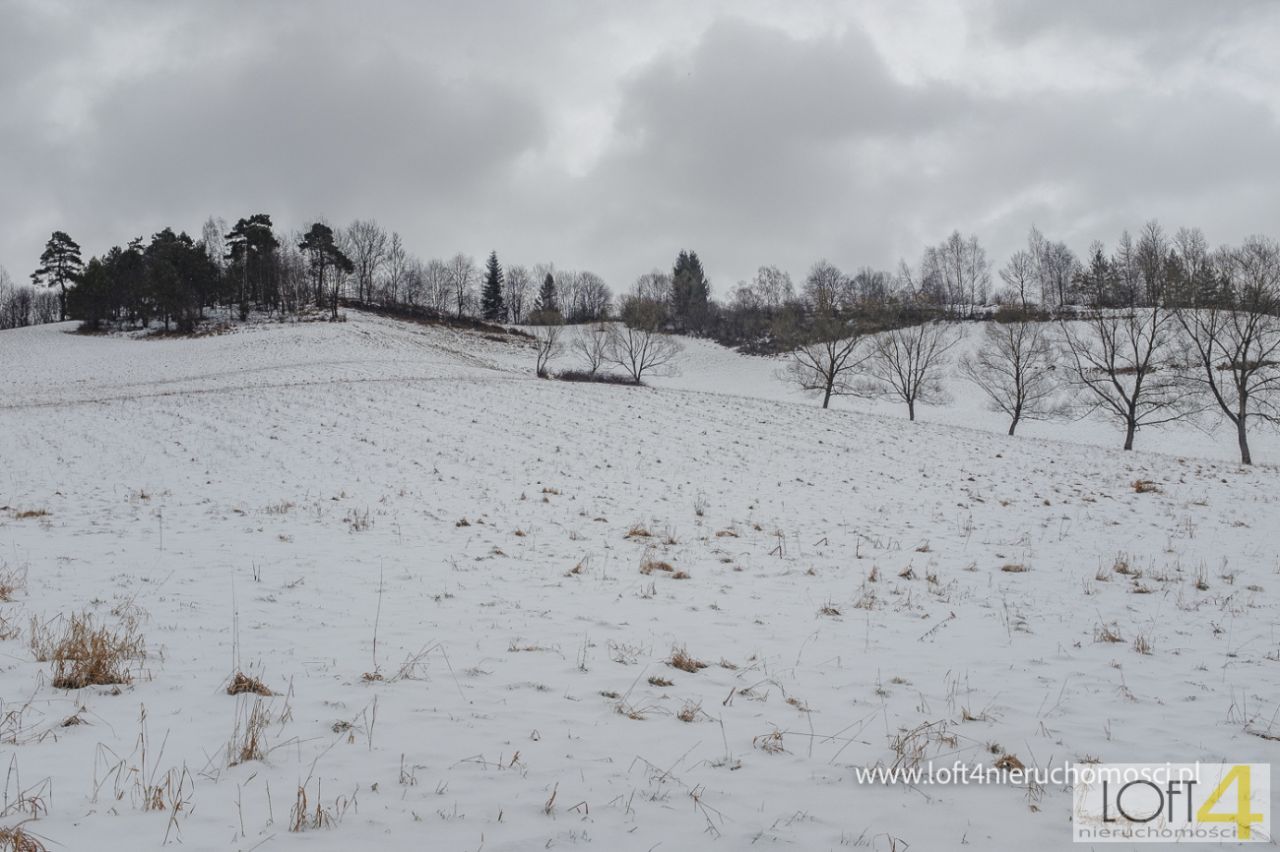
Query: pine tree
x=324 y=254
x=492 y=307
x=60 y=265
x=251 y=247
x=547 y=296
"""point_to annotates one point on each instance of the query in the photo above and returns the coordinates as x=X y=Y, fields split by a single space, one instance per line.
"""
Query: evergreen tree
x=324 y=254
x=690 y=292
x=60 y=265
x=547 y=301
x=251 y=247
x=90 y=301
x=492 y=307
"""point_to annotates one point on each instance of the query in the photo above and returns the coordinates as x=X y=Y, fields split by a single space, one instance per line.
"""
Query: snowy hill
x=465 y=586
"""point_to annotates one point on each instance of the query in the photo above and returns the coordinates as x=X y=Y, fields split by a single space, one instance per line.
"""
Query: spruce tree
x=547 y=296
x=492 y=307
x=60 y=265
x=690 y=292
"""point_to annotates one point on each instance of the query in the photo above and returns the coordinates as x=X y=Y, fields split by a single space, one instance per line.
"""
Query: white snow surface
x=275 y=499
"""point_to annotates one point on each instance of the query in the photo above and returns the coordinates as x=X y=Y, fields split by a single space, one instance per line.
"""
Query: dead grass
x=770 y=743
x=28 y=514
x=1107 y=633
x=638 y=531
x=829 y=609
x=87 y=654
x=243 y=683
x=648 y=566
x=660 y=681
x=1009 y=763
x=15 y=838
x=247 y=740
x=680 y=659
x=12 y=581
x=689 y=711
x=1143 y=645
x=1014 y=568
x=1145 y=486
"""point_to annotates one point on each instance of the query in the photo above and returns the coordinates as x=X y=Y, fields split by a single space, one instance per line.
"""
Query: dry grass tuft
x=689 y=711
x=648 y=566
x=243 y=683
x=680 y=575
x=660 y=681
x=28 y=514
x=247 y=740
x=770 y=743
x=829 y=609
x=87 y=654
x=15 y=838
x=1145 y=486
x=1009 y=763
x=681 y=660
x=1143 y=645
x=638 y=531
x=12 y=581
x=1107 y=633
x=1014 y=568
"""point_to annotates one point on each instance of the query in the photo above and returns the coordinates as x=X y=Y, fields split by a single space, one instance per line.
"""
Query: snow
x=247 y=495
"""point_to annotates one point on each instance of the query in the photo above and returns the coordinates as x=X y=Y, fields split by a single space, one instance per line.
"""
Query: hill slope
x=454 y=576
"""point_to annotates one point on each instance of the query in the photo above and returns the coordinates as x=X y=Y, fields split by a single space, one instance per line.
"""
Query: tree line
x=1160 y=330
x=175 y=281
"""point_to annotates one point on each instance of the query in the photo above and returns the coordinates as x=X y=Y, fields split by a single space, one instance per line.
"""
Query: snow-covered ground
x=435 y=561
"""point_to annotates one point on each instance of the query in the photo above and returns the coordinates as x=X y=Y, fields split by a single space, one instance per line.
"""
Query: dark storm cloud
x=610 y=136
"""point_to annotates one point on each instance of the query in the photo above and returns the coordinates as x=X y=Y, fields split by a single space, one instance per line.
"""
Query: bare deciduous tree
x=1122 y=364
x=592 y=345
x=636 y=344
x=462 y=277
x=907 y=363
x=547 y=340
x=1234 y=348
x=828 y=363
x=1018 y=275
x=366 y=244
x=518 y=286
x=398 y=264
x=1014 y=367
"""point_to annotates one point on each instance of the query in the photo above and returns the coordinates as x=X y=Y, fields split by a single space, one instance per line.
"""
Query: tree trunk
x=1243 y=436
x=826 y=398
x=1013 y=424
x=911 y=409
x=1130 y=428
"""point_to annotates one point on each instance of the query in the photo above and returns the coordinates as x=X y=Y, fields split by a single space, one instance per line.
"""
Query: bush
x=603 y=378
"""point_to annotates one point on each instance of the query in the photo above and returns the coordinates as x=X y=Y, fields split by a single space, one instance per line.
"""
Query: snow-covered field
x=438 y=564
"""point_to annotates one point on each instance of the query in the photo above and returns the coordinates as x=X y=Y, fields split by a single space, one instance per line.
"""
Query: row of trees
x=178 y=280
x=1177 y=357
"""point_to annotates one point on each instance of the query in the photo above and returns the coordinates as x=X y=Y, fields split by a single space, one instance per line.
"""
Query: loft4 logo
x=1172 y=803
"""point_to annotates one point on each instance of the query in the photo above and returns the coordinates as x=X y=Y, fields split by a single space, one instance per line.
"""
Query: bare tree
x=592 y=345
x=827 y=364
x=462 y=277
x=366 y=244
x=1122 y=364
x=907 y=363
x=956 y=272
x=398 y=265
x=636 y=344
x=546 y=339
x=1014 y=367
x=825 y=288
x=1235 y=347
x=518 y=286
x=437 y=287
x=1018 y=275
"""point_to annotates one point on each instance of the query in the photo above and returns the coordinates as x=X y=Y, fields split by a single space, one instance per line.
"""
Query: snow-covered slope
x=435 y=560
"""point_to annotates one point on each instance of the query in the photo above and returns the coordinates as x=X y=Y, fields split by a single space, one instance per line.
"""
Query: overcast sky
x=608 y=136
